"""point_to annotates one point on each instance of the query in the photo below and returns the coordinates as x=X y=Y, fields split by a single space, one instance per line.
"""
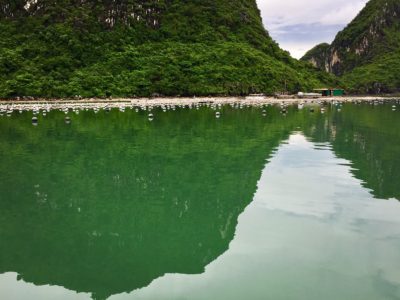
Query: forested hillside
x=60 y=48
x=367 y=52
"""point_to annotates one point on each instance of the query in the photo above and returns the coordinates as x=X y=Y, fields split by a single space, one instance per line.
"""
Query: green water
x=188 y=206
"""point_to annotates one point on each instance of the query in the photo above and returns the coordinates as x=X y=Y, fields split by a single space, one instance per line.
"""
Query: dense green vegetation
x=138 y=48
x=367 y=52
x=318 y=55
x=379 y=76
x=375 y=31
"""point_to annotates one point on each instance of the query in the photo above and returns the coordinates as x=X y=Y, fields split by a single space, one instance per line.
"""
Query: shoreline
x=156 y=102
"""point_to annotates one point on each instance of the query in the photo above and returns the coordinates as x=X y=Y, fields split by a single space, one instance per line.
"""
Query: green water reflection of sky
x=301 y=206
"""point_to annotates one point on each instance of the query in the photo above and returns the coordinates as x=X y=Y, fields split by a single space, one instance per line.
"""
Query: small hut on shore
x=330 y=92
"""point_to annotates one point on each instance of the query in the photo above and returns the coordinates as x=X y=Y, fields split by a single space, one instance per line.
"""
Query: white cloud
x=311 y=20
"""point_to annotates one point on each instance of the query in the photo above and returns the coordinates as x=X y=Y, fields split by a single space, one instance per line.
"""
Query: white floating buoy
x=264 y=113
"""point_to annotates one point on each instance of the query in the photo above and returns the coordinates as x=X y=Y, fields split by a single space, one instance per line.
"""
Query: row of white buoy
x=96 y=109
x=214 y=103
x=35 y=120
x=36 y=111
x=76 y=108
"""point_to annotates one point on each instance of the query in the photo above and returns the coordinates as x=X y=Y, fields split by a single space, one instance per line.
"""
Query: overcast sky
x=299 y=25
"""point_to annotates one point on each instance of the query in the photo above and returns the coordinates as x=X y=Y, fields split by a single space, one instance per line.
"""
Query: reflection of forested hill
x=111 y=202
x=369 y=138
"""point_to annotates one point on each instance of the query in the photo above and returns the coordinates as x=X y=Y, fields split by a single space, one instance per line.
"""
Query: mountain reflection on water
x=111 y=202
x=369 y=137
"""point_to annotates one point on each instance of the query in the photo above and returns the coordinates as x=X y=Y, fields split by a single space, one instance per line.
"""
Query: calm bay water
x=188 y=206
